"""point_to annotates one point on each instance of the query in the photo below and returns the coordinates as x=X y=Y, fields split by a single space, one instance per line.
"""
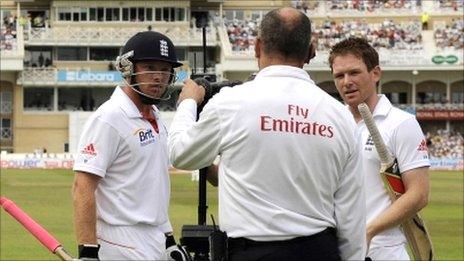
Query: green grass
x=45 y=196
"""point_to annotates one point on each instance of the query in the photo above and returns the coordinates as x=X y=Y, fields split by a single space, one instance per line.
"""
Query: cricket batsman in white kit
x=290 y=183
x=121 y=187
x=356 y=72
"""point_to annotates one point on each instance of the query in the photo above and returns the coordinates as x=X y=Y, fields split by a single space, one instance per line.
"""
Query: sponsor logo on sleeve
x=89 y=150
x=422 y=146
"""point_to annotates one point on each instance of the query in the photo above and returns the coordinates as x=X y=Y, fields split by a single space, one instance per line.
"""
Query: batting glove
x=174 y=251
x=88 y=252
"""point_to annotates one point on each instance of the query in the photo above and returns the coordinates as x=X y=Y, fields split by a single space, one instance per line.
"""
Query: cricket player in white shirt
x=355 y=68
x=289 y=178
x=121 y=187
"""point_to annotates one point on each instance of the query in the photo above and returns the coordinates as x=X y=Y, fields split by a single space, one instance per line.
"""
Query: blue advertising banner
x=446 y=163
x=103 y=76
x=89 y=76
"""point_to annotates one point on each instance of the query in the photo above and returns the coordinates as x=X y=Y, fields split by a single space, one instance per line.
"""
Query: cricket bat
x=414 y=228
x=35 y=229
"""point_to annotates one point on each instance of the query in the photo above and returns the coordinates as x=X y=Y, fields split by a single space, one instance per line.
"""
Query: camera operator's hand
x=191 y=90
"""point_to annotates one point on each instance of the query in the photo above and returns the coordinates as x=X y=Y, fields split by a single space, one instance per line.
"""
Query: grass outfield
x=45 y=196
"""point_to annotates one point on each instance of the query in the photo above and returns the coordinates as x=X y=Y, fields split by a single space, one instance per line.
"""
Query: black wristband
x=88 y=250
x=170 y=241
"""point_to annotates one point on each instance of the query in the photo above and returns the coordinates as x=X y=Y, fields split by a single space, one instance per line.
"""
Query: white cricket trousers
x=397 y=253
x=137 y=242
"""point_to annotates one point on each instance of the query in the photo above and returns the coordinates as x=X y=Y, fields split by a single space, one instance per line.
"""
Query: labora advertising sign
x=103 y=76
x=89 y=76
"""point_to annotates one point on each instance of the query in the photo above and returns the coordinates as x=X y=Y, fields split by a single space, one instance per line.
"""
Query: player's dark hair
x=358 y=47
x=285 y=36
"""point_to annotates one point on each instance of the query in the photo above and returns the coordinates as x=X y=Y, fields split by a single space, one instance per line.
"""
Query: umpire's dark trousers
x=320 y=246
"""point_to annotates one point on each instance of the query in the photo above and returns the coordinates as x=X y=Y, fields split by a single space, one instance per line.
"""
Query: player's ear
x=376 y=73
x=258 y=48
x=312 y=50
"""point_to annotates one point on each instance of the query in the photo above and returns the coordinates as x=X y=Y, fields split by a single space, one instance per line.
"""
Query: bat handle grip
x=63 y=255
x=379 y=144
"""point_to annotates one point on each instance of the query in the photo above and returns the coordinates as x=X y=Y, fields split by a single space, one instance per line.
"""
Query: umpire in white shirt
x=290 y=181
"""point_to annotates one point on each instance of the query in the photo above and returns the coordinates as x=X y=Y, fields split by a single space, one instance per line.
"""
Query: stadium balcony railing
x=113 y=36
x=6 y=133
x=85 y=77
x=6 y=107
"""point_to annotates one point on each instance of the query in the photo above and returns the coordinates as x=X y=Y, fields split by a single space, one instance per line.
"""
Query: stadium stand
x=372 y=5
x=8 y=33
x=388 y=34
x=450 y=35
x=56 y=56
x=445 y=144
x=242 y=34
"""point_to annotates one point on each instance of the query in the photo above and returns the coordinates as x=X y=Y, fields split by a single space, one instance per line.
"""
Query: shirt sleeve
x=97 y=147
x=166 y=227
x=410 y=146
x=194 y=144
x=350 y=209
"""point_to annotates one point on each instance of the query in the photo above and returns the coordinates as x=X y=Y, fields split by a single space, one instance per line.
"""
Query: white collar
x=126 y=104
x=284 y=71
x=383 y=106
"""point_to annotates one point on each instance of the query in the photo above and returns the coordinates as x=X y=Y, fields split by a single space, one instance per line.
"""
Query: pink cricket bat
x=35 y=229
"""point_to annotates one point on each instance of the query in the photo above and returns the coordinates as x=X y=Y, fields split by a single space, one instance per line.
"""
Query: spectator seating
x=406 y=35
x=444 y=144
x=8 y=34
x=450 y=36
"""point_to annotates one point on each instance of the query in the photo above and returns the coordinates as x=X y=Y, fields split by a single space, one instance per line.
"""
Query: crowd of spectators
x=372 y=5
x=8 y=33
x=450 y=36
x=305 y=5
x=454 y=5
x=242 y=34
x=445 y=144
x=388 y=34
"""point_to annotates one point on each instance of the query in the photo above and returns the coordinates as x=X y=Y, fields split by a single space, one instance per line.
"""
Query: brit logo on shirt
x=369 y=143
x=164 y=49
x=145 y=137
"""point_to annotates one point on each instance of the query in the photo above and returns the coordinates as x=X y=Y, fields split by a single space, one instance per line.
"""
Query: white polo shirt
x=403 y=137
x=120 y=146
x=289 y=162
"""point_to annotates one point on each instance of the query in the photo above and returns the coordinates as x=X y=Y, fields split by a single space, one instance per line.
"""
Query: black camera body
x=211 y=87
x=196 y=239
